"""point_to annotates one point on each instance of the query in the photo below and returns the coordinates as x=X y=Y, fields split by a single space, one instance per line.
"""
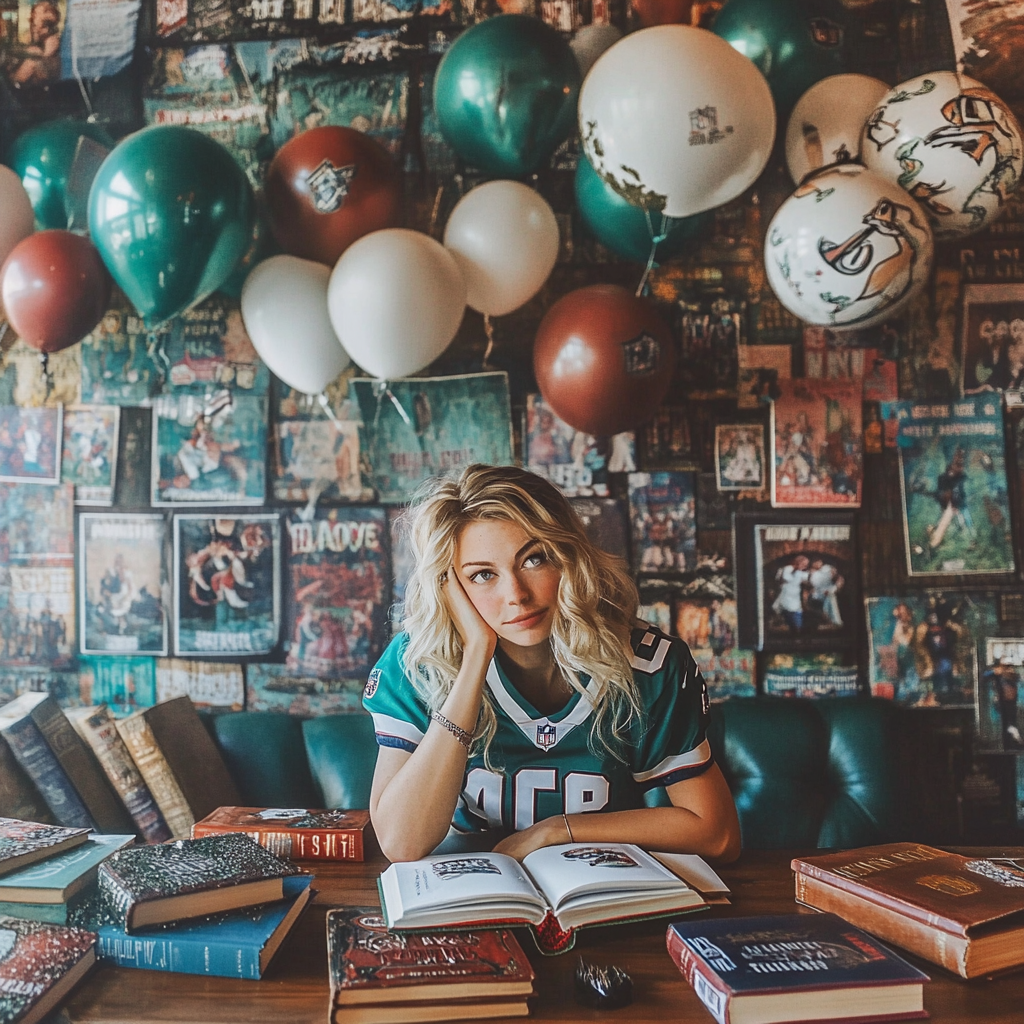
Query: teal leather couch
x=803 y=773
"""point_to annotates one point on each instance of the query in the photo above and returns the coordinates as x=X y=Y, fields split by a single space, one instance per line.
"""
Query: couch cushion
x=266 y=757
x=342 y=753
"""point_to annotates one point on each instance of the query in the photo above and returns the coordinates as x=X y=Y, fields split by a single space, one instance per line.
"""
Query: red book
x=377 y=975
x=41 y=963
x=292 y=832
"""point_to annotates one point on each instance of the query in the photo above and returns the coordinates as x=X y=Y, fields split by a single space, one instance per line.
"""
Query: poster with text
x=227 y=586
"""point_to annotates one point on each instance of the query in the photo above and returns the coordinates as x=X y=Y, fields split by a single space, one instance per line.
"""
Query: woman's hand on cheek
x=549 y=832
x=475 y=633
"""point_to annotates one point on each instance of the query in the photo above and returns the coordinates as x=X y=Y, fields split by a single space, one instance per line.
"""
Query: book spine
x=180 y=955
x=709 y=988
x=100 y=732
x=894 y=903
x=34 y=755
x=19 y=798
x=48 y=913
x=81 y=768
x=298 y=844
x=154 y=769
x=942 y=948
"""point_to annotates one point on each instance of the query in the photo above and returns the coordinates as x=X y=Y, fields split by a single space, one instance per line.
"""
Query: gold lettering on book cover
x=951 y=885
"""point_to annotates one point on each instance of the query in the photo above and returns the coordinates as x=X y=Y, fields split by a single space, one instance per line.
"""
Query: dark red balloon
x=328 y=187
x=663 y=12
x=55 y=289
x=603 y=359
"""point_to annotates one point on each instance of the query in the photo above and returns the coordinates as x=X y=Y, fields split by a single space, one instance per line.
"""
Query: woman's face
x=509 y=580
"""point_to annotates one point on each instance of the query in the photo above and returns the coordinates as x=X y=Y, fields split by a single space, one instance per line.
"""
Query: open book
x=555 y=889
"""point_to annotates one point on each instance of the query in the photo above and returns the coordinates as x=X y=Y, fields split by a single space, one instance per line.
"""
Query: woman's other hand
x=549 y=832
x=474 y=632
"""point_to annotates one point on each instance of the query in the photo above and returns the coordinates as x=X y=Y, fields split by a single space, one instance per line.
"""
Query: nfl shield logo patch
x=546 y=735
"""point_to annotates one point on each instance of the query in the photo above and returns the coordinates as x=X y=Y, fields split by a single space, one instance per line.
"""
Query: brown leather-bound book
x=292 y=832
x=191 y=756
x=963 y=913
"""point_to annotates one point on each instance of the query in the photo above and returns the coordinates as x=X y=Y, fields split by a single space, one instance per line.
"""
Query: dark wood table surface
x=295 y=987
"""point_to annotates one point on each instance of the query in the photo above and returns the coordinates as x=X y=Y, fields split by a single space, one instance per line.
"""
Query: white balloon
x=848 y=249
x=952 y=143
x=284 y=307
x=396 y=299
x=674 y=119
x=827 y=121
x=590 y=42
x=504 y=237
x=17 y=221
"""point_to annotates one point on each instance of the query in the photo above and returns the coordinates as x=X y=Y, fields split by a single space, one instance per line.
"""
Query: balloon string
x=74 y=70
x=3 y=331
x=383 y=391
x=435 y=212
x=489 y=331
x=656 y=240
x=44 y=362
x=157 y=354
x=325 y=404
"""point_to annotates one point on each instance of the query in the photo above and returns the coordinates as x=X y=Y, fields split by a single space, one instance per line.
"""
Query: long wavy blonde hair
x=596 y=606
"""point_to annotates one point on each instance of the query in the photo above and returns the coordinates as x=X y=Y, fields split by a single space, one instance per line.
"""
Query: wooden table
x=295 y=988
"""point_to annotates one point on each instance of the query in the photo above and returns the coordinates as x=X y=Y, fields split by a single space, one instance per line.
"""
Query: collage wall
x=817 y=513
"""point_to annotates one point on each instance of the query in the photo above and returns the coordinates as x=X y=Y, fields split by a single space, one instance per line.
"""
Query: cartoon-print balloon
x=952 y=144
x=848 y=249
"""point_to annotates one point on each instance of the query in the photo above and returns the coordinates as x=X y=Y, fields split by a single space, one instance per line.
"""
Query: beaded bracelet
x=465 y=738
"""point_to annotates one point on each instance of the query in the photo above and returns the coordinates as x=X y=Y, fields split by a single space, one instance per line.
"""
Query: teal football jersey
x=546 y=765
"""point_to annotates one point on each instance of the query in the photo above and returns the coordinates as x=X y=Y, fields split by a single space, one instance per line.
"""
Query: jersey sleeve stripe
x=393 y=732
x=684 y=773
x=699 y=758
x=655 y=661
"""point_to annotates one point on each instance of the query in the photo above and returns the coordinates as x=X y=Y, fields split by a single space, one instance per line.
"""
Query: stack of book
x=220 y=905
x=380 y=977
x=154 y=773
x=963 y=913
x=41 y=962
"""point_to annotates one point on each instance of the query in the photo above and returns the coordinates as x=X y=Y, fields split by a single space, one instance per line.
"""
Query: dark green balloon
x=624 y=228
x=505 y=94
x=794 y=43
x=171 y=213
x=42 y=157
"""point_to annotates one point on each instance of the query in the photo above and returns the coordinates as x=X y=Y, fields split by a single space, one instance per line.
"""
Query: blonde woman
x=524 y=699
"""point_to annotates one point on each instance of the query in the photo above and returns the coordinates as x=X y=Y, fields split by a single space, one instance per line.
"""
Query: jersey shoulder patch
x=649 y=647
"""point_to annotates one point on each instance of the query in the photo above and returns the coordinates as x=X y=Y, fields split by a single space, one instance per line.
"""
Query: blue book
x=42 y=767
x=794 y=967
x=57 y=879
x=238 y=944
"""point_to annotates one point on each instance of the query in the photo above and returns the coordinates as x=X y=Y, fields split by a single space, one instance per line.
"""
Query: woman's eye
x=483 y=576
x=537 y=558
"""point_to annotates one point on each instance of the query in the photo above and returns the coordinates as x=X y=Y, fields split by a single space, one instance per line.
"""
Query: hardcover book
x=75 y=759
x=190 y=755
x=794 y=967
x=291 y=832
x=37 y=759
x=555 y=890
x=963 y=913
x=122 y=584
x=956 y=506
x=19 y=797
x=62 y=875
x=24 y=842
x=42 y=963
x=234 y=944
x=96 y=726
x=816 y=455
x=149 y=885
x=227 y=590
x=338 y=594
x=370 y=966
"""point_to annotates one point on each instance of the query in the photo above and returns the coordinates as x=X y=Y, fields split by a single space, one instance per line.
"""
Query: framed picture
x=992 y=336
x=799 y=581
x=90 y=452
x=1000 y=710
x=739 y=457
x=30 y=444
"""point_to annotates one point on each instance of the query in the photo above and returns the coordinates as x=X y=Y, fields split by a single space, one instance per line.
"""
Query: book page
x=572 y=870
x=456 y=881
x=693 y=870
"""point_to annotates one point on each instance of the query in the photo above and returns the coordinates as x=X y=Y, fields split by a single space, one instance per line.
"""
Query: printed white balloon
x=590 y=42
x=848 y=249
x=952 y=144
x=396 y=299
x=504 y=237
x=675 y=119
x=284 y=307
x=17 y=221
x=827 y=122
